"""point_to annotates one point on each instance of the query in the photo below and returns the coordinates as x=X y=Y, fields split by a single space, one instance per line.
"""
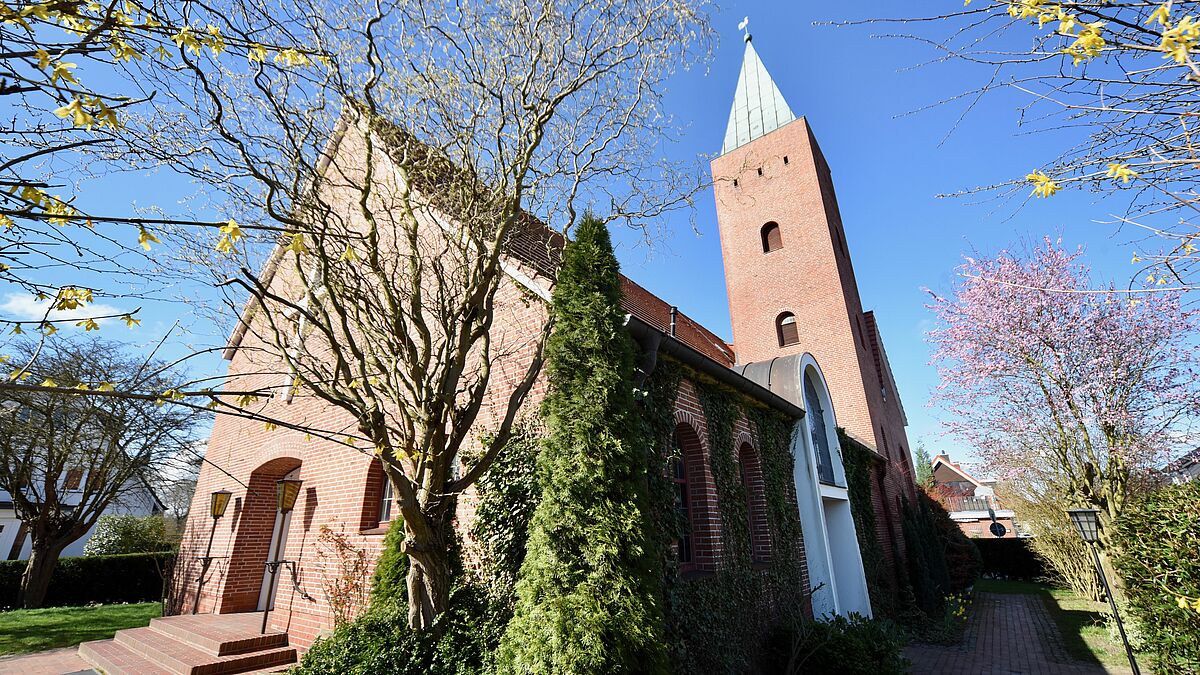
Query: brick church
x=802 y=346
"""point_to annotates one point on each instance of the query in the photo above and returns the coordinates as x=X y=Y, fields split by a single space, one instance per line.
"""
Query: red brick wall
x=783 y=178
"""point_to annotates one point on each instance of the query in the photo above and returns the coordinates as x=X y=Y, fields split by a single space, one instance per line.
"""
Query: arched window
x=750 y=469
x=379 y=504
x=677 y=472
x=789 y=332
x=815 y=415
x=772 y=238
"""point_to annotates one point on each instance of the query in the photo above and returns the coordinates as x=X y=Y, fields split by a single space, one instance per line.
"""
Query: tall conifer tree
x=589 y=590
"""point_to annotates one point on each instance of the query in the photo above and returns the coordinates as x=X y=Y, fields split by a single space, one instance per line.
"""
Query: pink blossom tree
x=1061 y=387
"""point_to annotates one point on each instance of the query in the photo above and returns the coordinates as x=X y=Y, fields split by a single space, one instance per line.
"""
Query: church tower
x=788 y=270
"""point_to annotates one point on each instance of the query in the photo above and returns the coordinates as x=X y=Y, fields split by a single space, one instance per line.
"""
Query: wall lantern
x=216 y=508
x=220 y=500
x=286 y=491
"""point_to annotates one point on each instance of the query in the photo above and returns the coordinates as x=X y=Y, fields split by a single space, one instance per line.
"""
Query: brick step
x=220 y=635
x=183 y=658
x=114 y=659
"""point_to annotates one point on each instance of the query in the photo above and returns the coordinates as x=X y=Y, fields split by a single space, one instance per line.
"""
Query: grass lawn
x=33 y=630
x=1080 y=621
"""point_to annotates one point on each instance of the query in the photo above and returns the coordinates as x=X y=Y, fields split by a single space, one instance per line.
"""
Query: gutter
x=653 y=341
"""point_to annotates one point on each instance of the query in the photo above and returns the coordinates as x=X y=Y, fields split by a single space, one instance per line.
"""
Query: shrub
x=118 y=535
x=848 y=646
x=1158 y=556
x=461 y=642
x=136 y=577
x=390 y=583
x=1066 y=559
x=588 y=595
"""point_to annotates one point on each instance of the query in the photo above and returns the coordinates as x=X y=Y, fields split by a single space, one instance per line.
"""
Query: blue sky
x=856 y=91
x=888 y=166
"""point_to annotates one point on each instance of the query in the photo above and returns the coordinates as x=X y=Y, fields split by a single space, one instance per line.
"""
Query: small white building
x=136 y=500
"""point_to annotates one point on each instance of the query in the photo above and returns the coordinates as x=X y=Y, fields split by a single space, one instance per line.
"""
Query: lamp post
x=286 y=491
x=1087 y=523
x=216 y=508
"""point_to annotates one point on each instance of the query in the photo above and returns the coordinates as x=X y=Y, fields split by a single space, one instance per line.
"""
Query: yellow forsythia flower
x=1162 y=14
x=130 y=321
x=256 y=53
x=144 y=238
x=231 y=232
x=297 y=244
x=79 y=116
x=1121 y=172
x=291 y=57
x=1043 y=186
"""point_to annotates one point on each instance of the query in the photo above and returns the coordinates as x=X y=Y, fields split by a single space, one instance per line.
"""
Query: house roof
x=537 y=249
x=944 y=461
x=1178 y=465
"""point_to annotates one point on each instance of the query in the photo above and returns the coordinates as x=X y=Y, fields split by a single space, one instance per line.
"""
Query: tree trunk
x=43 y=559
x=429 y=571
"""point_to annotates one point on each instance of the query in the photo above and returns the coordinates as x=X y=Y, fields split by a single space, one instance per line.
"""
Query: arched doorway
x=279 y=535
x=256 y=522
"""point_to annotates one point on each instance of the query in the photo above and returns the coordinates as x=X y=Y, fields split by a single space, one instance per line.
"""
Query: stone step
x=114 y=659
x=183 y=658
x=220 y=635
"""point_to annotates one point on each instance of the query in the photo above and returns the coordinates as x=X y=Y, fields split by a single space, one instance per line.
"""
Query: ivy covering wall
x=716 y=622
x=858 y=460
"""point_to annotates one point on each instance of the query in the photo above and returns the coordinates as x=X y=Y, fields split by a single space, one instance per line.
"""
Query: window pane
x=816 y=428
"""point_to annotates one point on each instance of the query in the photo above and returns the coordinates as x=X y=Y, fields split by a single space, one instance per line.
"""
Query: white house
x=136 y=500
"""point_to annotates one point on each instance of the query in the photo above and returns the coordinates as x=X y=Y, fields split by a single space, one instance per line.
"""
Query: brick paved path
x=1006 y=635
x=54 y=662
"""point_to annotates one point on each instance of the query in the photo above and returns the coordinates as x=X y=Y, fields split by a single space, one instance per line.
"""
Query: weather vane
x=745 y=27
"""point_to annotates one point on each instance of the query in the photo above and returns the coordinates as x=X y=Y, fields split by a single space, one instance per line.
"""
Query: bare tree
x=391 y=176
x=1120 y=78
x=64 y=459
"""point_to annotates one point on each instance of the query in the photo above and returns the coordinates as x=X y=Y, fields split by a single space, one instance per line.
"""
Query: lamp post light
x=286 y=491
x=216 y=508
x=1087 y=524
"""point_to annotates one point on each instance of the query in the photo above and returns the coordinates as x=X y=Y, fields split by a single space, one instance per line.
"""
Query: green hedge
x=136 y=577
x=1010 y=559
x=1158 y=557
